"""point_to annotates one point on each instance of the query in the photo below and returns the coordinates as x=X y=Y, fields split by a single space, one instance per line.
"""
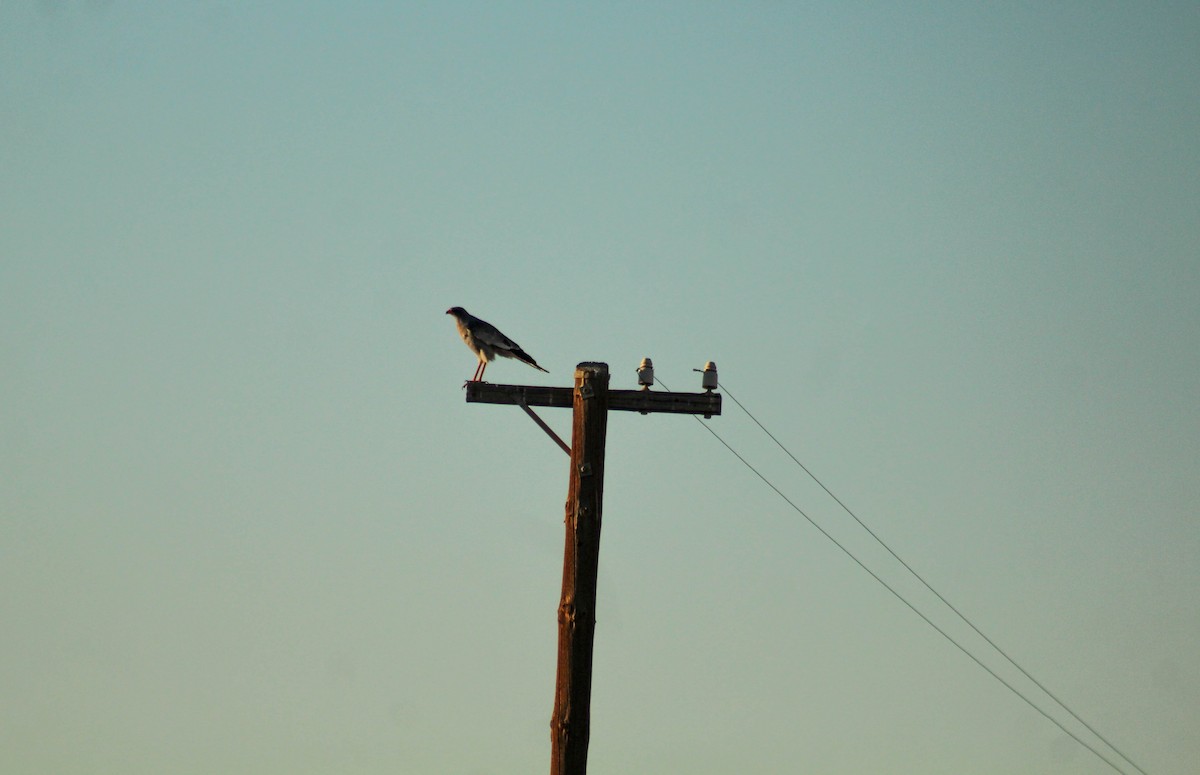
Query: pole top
x=591 y=368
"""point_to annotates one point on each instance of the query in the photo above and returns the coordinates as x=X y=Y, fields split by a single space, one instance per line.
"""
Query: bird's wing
x=489 y=335
x=495 y=343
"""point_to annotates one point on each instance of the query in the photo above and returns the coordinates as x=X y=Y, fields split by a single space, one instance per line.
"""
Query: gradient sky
x=949 y=253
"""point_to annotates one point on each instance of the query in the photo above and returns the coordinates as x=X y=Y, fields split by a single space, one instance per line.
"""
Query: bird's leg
x=474 y=377
x=482 y=369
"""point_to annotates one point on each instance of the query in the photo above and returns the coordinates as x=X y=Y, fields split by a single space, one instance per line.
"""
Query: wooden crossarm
x=644 y=401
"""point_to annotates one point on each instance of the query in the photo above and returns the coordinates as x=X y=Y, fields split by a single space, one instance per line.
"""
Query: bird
x=486 y=341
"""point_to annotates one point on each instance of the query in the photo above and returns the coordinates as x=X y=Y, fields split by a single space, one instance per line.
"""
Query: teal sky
x=949 y=253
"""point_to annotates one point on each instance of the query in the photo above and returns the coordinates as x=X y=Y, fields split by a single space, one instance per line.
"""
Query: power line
x=902 y=599
x=928 y=586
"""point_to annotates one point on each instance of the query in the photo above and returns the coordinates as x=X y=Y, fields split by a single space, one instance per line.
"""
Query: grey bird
x=486 y=341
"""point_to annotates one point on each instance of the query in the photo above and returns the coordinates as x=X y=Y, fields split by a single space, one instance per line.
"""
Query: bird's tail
x=524 y=357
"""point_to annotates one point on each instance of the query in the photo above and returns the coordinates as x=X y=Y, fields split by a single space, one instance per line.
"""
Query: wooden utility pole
x=591 y=400
x=570 y=726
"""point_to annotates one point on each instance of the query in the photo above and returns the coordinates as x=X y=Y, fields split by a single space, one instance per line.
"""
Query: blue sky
x=948 y=253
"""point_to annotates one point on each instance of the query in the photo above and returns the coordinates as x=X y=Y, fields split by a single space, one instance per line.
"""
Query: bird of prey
x=486 y=341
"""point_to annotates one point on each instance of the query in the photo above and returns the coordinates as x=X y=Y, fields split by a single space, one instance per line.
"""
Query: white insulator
x=708 y=378
x=645 y=373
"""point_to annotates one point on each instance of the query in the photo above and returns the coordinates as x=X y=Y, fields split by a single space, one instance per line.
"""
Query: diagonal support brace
x=542 y=424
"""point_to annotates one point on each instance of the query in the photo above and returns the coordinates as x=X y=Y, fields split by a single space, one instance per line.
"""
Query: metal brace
x=541 y=424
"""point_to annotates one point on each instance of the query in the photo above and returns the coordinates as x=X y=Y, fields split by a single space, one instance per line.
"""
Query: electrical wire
x=928 y=586
x=904 y=600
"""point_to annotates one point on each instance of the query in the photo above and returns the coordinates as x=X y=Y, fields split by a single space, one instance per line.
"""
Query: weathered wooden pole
x=570 y=725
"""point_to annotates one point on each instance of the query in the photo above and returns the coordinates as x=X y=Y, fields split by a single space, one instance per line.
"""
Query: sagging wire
x=928 y=586
x=905 y=601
